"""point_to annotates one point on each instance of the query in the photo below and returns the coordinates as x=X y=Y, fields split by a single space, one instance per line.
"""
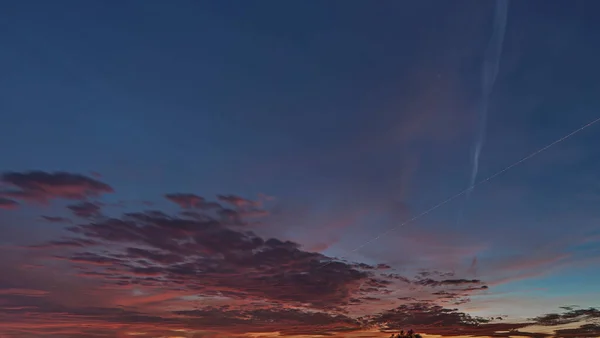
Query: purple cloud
x=6 y=203
x=42 y=186
x=85 y=209
x=56 y=219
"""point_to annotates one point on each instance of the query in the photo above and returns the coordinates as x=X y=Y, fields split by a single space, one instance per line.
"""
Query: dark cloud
x=448 y=282
x=42 y=311
x=230 y=216
x=23 y=292
x=571 y=315
x=85 y=209
x=429 y=273
x=446 y=294
x=241 y=210
x=154 y=256
x=437 y=320
x=398 y=277
x=586 y=330
x=42 y=186
x=56 y=320
x=95 y=259
x=66 y=243
x=519 y=333
x=383 y=267
x=207 y=256
x=285 y=321
x=56 y=219
x=6 y=203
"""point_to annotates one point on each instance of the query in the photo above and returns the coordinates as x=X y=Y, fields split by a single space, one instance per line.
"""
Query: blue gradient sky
x=353 y=115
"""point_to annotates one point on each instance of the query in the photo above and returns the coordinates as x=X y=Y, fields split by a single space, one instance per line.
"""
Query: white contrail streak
x=489 y=178
x=490 y=67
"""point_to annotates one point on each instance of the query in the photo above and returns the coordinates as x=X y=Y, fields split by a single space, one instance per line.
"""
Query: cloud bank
x=203 y=271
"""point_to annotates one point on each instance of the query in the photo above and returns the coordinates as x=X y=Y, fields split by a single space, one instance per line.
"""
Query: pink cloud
x=42 y=186
x=23 y=292
x=6 y=203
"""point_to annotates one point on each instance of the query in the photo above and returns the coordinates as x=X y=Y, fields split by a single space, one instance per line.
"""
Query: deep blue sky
x=353 y=115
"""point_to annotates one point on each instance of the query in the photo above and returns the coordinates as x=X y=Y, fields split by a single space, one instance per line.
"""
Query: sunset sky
x=232 y=168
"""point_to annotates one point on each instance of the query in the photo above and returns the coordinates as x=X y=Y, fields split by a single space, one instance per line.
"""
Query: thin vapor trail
x=490 y=68
x=489 y=178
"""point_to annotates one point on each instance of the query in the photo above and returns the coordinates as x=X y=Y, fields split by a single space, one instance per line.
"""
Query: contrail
x=489 y=178
x=490 y=67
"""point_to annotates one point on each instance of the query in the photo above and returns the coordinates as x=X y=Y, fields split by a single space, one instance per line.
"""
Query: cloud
x=6 y=203
x=243 y=208
x=66 y=243
x=85 y=209
x=57 y=320
x=262 y=284
x=56 y=219
x=42 y=186
x=519 y=333
x=448 y=282
x=157 y=274
x=189 y=201
x=25 y=292
x=572 y=315
x=207 y=256
x=586 y=330
x=284 y=321
x=237 y=201
x=437 y=320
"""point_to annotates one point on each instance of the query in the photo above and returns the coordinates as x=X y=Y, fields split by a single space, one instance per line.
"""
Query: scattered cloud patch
x=6 y=203
x=41 y=186
x=56 y=219
x=85 y=209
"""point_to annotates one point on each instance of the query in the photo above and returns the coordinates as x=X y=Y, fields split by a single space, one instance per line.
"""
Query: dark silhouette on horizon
x=409 y=334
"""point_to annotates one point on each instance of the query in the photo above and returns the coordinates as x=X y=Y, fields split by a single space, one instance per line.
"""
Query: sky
x=261 y=169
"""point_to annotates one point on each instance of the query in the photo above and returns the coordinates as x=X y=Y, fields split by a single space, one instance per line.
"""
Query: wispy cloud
x=43 y=186
x=6 y=203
